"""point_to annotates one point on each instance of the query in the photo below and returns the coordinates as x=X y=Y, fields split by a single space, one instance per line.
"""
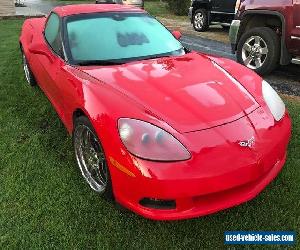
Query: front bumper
x=218 y=176
x=233 y=34
x=196 y=206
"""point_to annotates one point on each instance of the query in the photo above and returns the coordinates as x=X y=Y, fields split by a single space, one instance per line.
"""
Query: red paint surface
x=188 y=96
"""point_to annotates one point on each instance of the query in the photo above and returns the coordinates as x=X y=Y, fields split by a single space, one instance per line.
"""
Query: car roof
x=68 y=10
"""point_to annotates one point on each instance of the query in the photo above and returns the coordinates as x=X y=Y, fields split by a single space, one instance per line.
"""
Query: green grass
x=44 y=203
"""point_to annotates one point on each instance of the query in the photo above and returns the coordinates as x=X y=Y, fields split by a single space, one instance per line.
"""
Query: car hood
x=189 y=92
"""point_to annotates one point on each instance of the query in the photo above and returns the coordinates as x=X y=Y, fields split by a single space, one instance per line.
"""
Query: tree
x=179 y=7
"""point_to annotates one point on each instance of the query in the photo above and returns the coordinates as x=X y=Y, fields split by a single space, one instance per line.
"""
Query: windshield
x=118 y=38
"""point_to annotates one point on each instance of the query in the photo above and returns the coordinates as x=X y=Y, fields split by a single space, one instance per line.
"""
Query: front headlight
x=147 y=141
x=273 y=100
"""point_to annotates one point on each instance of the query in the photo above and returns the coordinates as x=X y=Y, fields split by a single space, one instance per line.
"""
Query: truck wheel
x=200 y=20
x=259 y=50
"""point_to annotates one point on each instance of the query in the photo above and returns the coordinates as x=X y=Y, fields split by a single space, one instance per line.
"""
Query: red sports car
x=166 y=132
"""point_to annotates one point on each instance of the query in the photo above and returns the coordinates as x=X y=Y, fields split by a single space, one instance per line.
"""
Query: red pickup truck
x=266 y=33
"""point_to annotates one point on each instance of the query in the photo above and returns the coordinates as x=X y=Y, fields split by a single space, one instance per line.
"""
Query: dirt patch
x=215 y=32
x=292 y=98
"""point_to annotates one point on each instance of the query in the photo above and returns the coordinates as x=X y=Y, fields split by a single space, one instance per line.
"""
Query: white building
x=7 y=7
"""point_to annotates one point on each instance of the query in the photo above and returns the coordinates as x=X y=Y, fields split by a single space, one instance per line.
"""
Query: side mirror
x=177 y=34
x=41 y=49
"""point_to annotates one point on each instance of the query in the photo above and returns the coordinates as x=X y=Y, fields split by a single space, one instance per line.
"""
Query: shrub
x=179 y=7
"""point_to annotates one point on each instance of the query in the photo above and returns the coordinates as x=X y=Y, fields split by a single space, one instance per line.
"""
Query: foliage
x=179 y=7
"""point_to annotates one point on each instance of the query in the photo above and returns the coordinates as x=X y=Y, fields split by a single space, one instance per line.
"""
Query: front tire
x=259 y=50
x=90 y=158
x=27 y=71
x=200 y=20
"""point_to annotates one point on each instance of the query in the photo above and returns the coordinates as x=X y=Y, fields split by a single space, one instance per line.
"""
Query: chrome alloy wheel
x=254 y=52
x=26 y=69
x=90 y=158
x=199 y=20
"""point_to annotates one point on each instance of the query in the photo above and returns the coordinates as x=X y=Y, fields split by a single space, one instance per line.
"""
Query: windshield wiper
x=169 y=54
x=98 y=63
x=157 y=56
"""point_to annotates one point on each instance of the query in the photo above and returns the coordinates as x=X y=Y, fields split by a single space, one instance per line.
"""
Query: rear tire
x=259 y=50
x=200 y=20
x=91 y=158
x=27 y=71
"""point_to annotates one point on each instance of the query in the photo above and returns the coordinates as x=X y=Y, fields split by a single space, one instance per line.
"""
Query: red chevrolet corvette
x=166 y=132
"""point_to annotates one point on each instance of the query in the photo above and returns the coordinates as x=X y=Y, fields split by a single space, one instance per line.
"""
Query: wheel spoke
x=103 y=171
x=257 y=40
x=248 y=60
x=258 y=62
x=85 y=139
x=96 y=173
x=247 y=47
x=264 y=51
x=101 y=156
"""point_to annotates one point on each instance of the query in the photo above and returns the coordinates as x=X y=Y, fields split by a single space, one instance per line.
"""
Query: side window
x=52 y=33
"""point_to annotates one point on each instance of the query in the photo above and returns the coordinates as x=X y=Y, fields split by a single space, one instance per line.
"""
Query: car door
x=223 y=6
x=222 y=10
x=295 y=45
x=215 y=5
x=229 y=6
x=50 y=65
